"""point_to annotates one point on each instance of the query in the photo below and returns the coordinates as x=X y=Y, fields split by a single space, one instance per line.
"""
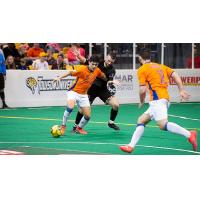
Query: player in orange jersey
x=86 y=75
x=155 y=77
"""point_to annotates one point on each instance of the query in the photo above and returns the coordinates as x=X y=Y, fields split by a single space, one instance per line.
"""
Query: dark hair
x=112 y=55
x=146 y=54
x=94 y=59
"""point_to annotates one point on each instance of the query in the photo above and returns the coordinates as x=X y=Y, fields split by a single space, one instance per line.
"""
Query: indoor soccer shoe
x=114 y=126
x=80 y=131
x=74 y=129
x=193 y=139
x=126 y=148
x=62 y=129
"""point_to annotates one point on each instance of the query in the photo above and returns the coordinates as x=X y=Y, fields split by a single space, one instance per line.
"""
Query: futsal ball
x=56 y=131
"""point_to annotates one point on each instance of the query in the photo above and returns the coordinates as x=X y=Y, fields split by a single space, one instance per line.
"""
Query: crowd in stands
x=41 y=56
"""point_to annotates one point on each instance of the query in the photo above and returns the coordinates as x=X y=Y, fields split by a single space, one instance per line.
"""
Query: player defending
x=85 y=77
x=100 y=89
x=156 y=78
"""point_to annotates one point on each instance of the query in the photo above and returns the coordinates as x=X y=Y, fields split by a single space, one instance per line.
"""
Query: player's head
x=144 y=57
x=93 y=62
x=110 y=59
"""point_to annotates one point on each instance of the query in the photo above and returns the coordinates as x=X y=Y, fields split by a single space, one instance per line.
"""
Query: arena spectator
x=54 y=47
x=72 y=54
x=34 y=52
x=10 y=63
x=10 y=50
x=50 y=59
x=60 y=63
x=22 y=65
x=41 y=63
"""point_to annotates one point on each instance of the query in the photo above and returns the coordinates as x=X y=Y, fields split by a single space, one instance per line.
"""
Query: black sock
x=78 y=118
x=2 y=95
x=113 y=114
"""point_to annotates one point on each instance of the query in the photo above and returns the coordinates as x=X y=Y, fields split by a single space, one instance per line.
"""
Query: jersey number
x=161 y=74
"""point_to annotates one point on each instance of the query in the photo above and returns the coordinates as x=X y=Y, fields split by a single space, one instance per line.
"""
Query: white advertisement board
x=36 y=88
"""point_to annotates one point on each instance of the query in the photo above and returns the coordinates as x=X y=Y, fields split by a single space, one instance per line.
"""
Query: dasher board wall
x=36 y=88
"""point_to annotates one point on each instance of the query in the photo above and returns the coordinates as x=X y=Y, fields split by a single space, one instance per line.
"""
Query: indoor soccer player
x=99 y=89
x=2 y=79
x=155 y=77
x=86 y=75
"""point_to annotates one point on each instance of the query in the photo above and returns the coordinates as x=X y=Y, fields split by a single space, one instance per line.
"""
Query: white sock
x=136 y=135
x=83 y=122
x=66 y=115
x=175 y=128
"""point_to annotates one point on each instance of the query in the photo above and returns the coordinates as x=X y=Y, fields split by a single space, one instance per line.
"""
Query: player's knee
x=115 y=106
x=69 y=110
x=87 y=117
x=140 y=120
x=162 y=126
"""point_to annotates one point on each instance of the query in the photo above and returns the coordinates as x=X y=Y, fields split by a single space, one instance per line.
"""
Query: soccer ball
x=56 y=131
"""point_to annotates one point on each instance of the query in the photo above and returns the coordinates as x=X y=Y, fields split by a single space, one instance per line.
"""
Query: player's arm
x=142 y=86
x=68 y=73
x=183 y=94
x=142 y=94
x=79 y=56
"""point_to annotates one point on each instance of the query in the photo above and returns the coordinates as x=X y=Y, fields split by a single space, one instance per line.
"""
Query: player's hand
x=184 y=95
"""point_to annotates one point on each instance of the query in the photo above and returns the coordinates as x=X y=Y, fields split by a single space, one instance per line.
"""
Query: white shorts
x=158 y=109
x=81 y=99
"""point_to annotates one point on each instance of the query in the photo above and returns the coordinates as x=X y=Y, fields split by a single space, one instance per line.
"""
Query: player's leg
x=142 y=121
x=92 y=94
x=111 y=100
x=84 y=104
x=2 y=94
x=175 y=128
x=85 y=119
x=71 y=99
x=161 y=118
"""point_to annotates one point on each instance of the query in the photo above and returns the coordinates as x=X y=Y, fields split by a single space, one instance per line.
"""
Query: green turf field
x=27 y=131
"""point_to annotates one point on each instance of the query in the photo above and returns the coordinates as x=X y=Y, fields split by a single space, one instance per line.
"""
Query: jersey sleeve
x=100 y=74
x=78 y=72
x=141 y=76
x=169 y=71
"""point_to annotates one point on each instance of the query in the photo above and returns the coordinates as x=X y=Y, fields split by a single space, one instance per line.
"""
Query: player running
x=86 y=75
x=155 y=77
x=103 y=89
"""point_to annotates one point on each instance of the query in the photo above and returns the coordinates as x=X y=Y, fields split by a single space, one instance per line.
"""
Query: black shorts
x=101 y=92
x=2 y=82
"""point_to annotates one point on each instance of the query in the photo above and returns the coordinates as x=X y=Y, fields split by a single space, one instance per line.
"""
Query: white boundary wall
x=44 y=93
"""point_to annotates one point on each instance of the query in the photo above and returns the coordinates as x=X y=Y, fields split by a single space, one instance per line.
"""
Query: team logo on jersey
x=112 y=88
x=31 y=83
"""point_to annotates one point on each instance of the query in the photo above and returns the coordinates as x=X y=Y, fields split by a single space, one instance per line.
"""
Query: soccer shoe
x=114 y=126
x=126 y=148
x=62 y=129
x=80 y=131
x=193 y=139
x=5 y=106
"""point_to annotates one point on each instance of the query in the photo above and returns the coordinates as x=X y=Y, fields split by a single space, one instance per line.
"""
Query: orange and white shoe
x=193 y=139
x=79 y=130
x=62 y=129
x=126 y=148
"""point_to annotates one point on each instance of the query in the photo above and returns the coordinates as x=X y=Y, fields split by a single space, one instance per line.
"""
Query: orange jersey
x=156 y=78
x=85 y=78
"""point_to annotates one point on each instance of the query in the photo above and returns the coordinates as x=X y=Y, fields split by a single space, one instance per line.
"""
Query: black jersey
x=108 y=71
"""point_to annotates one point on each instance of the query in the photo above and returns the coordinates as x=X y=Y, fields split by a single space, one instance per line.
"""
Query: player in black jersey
x=103 y=91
